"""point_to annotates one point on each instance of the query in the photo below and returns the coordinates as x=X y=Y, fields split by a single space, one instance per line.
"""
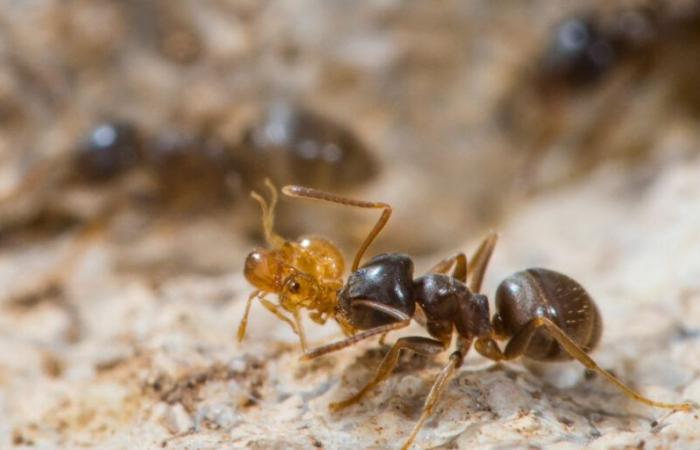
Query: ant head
x=110 y=150
x=299 y=290
x=265 y=270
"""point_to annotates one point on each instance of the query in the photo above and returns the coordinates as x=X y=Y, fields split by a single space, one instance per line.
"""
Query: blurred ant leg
x=53 y=282
x=56 y=277
x=35 y=178
x=300 y=331
x=382 y=339
x=480 y=260
x=335 y=346
x=420 y=345
x=457 y=262
x=268 y=215
x=519 y=343
x=306 y=192
x=455 y=362
x=244 y=321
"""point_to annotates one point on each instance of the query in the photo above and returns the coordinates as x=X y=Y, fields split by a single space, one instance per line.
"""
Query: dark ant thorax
x=386 y=279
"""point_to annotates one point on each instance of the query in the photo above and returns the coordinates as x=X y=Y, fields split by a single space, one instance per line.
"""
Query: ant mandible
x=545 y=315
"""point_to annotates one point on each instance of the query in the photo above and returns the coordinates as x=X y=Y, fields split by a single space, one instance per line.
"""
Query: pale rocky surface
x=160 y=368
x=139 y=351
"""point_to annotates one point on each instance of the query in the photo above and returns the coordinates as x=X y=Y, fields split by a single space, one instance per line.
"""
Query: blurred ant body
x=185 y=171
x=544 y=315
x=600 y=79
x=118 y=167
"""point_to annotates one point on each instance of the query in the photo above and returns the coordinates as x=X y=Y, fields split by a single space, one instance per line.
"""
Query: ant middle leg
x=454 y=363
x=480 y=260
x=306 y=192
x=518 y=344
x=458 y=264
x=420 y=345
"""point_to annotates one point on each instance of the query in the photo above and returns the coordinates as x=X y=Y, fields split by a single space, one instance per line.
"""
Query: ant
x=598 y=69
x=544 y=315
x=189 y=171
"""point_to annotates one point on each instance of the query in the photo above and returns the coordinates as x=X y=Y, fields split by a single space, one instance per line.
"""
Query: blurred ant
x=544 y=315
x=596 y=84
x=118 y=166
x=190 y=171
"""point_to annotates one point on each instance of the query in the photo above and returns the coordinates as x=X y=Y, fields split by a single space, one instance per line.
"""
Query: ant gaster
x=545 y=315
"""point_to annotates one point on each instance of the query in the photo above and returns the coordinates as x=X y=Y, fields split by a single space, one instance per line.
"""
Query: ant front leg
x=352 y=340
x=402 y=320
x=244 y=321
x=274 y=309
x=519 y=343
x=420 y=345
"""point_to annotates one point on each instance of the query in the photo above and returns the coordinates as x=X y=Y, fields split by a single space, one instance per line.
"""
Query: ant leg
x=519 y=343
x=244 y=321
x=306 y=192
x=459 y=261
x=402 y=320
x=335 y=346
x=420 y=345
x=456 y=359
x=274 y=309
x=268 y=214
x=480 y=260
x=300 y=331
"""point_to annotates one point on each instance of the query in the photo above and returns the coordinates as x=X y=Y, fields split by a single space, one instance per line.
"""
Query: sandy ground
x=138 y=349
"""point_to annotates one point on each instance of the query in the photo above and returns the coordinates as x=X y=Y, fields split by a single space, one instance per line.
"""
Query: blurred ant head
x=111 y=149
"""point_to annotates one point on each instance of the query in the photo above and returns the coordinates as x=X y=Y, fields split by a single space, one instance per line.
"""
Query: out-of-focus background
x=131 y=133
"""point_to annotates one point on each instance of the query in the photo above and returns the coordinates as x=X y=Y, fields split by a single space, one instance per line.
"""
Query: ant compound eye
x=294 y=287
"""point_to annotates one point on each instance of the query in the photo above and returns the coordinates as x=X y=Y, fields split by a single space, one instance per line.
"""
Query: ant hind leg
x=519 y=343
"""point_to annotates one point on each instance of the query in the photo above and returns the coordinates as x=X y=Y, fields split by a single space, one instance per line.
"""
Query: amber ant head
x=304 y=274
x=267 y=270
x=263 y=270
